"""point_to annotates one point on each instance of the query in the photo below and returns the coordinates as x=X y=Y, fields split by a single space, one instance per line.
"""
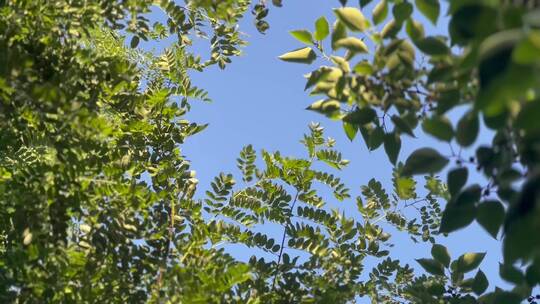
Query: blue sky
x=260 y=100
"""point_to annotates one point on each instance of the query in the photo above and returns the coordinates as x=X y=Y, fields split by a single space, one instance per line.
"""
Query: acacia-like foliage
x=95 y=194
x=327 y=244
x=97 y=201
x=385 y=76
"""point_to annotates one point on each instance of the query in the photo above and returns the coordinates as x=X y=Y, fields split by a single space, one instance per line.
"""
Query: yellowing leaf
x=302 y=36
x=469 y=261
x=352 y=44
x=352 y=18
x=305 y=55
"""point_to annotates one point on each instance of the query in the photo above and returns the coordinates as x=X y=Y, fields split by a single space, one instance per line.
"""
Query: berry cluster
x=532 y=300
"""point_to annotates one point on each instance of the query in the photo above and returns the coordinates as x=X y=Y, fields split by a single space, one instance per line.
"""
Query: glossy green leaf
x=339 y=32
x=480 y=283
x=392 y=146
x=376 y=138
x=528 y=50
x=350 y=130
x=361 y=116
x=441 y=254
x=322 y=29
x=364 y=68
x=433 y=46
x=414 y=29
x=402 y=125
x=352 y=18
x=327 y=106
x=402 y=11
x=429 y=8
x=302 y=36
x=432 y=266
x=353 y=44
x=457 y=178
x=391 y=29
x=440 y=127
x=424 y=161
x=364 y=3
x=304 y=55
x=490 y=216
x=469 y=196
x=467 y=129
x=457 y=216
x=134 y=42
x=469 y=261
x=380 y=11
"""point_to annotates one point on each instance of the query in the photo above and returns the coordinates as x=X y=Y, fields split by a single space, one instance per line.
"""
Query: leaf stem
x=283 y=241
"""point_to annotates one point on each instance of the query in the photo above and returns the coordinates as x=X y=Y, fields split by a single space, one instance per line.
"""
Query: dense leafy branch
x=486 y=63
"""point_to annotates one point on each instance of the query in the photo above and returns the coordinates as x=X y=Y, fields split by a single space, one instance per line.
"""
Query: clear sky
x=260 y=100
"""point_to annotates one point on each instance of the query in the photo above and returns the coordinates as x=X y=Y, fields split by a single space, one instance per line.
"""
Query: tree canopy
x=99 y=204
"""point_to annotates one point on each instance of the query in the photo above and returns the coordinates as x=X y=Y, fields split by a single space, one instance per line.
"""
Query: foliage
x=98 y=204
x=95 y=194
x=320 y=256
x=386 y=80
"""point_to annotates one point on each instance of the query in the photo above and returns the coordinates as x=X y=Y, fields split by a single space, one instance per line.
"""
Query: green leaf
x=432 y=266
x=480 y=283
x=338 y=33
x=432 y=46
x=457 y=178
x=322 y=29
x=352 y=18
x=302 y=36
x=350 y=130
x=134 y=42
x=391 y=29
x=456 y=216
x=353 y=44
x=380 y=12
x=429 y=8
x=402 y=11
x=532 y=275
x=364 y=68
x=304 y=55
x=424 y=161
x=441 y=254
x=528 y=116
x=467 y=129
x=506 y=297
x=414 y=29
x=376 y=138
x=528 y=50
x=405 y=187
x=491 y=216
x=364 y=3
x=361 y=116
x=342 y=63
x=440 y=127
x=392 y=145
x=469 y=261
x=402 y=125
x=511 y=274
x=327 y=107
x=469 y=196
